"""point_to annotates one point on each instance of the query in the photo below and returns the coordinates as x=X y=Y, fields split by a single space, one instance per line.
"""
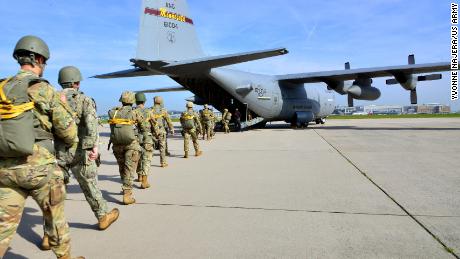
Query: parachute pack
x=121 y=126
x=17 y=134
x=189 y=123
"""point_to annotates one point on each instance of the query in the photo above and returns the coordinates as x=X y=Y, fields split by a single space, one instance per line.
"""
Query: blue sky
x=101 y=37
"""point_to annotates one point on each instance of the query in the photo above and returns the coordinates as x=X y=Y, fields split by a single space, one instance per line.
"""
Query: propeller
x=350 y=98
x=413 y=92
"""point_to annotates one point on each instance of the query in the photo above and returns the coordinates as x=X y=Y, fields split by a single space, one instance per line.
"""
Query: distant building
x=383 y=109
x=431 y=108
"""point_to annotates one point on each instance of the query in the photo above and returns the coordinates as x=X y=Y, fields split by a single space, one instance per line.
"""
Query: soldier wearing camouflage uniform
x=36 y=174
x=84 y=166
x=226 y=117
x=160 y=116
x=128 y=153
x=213 y=123
x=206 y=118
x=147 y=143
x=191 y=127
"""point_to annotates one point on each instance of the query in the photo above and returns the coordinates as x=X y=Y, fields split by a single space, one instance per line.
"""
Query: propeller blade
x=392 y=81
x=411 y=59
x=350 y=101
x=413 y=96
x=430 y=77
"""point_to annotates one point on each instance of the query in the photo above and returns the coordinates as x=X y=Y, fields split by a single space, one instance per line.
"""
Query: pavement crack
x=446 y=248
x=277 y=209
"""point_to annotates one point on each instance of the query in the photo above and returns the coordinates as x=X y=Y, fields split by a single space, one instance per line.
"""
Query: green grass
x=402 y=116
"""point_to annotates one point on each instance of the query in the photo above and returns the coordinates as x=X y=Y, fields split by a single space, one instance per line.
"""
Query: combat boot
x=67 y=256
x=139 y=178
x=46 y=243
x=108 y=219
x=186 y=155
x=198 y=153
x=164 y=165
x=127 y=197
x=145 y=184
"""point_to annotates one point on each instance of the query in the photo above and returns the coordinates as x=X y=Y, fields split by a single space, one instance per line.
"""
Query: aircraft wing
x=190 y=66
x=352 y=74
x=128 y=73
x=164 y=89
x=193 y=66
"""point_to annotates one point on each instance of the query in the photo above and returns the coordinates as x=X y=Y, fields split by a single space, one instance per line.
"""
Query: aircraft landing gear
x=298 y=125
x=320 y=121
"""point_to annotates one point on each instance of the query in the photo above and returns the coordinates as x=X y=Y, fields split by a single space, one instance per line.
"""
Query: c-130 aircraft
x=168 y=45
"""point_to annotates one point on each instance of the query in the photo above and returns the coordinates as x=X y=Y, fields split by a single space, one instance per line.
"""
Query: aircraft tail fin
x=167 y=32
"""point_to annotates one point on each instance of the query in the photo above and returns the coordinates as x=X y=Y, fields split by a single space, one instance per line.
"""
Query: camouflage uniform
x=160 y=116
x=192 y=132
x=38 y=174
x=128 y=155
x=83 y=168
x=147 y=143
x=207 y=123
x=213 y=123
x=226 y=121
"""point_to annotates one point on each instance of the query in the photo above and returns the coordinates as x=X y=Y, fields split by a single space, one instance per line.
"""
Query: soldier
x=32 y=115
x=207 y=124
x=190 y=125
x=213 y=122
x=202 y=123
x=125 y=124
x=226 y=117
x=143 y=169
x=237 y=118
x=84 y=166
x=160 y=115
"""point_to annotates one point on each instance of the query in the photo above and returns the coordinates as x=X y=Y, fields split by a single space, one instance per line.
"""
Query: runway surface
x=346 y=189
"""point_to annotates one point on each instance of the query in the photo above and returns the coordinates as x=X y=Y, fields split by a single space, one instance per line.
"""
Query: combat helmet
x=69 y=75
x=206 y=106
x=189 y=105
x=29 y=45
x=127 y=97
x=140 y=98
x=225 y=110
x=158 y=100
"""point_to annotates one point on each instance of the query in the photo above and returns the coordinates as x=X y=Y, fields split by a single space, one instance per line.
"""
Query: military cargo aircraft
x=168 y=45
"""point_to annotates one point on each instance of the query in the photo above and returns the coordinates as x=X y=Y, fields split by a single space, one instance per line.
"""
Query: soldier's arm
x=197 y=122
x=91 y=121
x=139 y=120
x=181 y=119
x=153 y=124
x=169 y=121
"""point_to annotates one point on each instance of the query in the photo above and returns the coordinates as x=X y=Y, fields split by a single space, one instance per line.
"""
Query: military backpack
x=122 y=131
x=17 y=134
x=207 y=114
x=188 y=120
x=228 y=116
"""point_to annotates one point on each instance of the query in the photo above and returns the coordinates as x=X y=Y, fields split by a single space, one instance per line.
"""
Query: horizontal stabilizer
x=128 y=73
x=164 y=89
x=194 y=66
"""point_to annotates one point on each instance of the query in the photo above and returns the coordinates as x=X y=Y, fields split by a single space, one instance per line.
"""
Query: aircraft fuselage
x=266 y=96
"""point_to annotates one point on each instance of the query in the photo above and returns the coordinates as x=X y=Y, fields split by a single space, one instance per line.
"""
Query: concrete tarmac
x=346 y=189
